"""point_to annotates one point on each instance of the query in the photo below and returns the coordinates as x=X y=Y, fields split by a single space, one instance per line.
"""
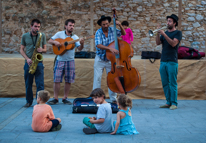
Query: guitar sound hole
x=65 y=44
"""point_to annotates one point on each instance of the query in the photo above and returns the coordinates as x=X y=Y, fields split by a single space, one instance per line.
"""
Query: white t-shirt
x=104 y=112
x=69 y=54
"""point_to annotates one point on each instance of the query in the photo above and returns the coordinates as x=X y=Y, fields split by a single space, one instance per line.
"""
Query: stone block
x=190 y=19
x=127 y=9
x=139 y=8
x=191 y=14
x=137 y=1
x=203 y=2
x=199 y=17
x=131 y=19
x=166 y=5
x=196 y=24
x=188 y=33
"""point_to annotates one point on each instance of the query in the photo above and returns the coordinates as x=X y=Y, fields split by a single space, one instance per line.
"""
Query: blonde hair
x=124 y=101
x=44 y=95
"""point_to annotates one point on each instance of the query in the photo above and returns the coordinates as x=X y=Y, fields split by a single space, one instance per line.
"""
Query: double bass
x=123 y=78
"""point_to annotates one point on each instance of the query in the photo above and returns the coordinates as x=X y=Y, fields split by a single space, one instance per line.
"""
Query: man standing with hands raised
x=170 y=40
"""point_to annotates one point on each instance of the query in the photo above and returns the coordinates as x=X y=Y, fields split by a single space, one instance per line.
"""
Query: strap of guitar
x=199 y=56
x=151 y=60
x=191 y=50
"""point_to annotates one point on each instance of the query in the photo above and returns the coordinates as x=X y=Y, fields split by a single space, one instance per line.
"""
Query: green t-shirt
x=26 y=41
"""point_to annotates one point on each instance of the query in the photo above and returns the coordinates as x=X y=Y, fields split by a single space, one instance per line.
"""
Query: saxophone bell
x=39 y=57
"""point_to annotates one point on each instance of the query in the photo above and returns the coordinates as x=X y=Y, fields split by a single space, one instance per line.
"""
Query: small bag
x=189 y=53
x=84 y=54
x=87 y=105
x=150 y=55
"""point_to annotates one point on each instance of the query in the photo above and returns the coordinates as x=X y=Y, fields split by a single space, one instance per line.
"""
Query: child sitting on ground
x=124 y=124
x=43 y=119
x=102 y=123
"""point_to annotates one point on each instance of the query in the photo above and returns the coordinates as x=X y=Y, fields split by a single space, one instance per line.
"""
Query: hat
x=174 y=17
x=103 y=17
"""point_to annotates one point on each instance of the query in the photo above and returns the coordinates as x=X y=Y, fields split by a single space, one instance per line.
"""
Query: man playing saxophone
x=28 y=42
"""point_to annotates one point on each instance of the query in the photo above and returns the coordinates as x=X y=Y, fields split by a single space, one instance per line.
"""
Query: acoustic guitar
x=66 y=44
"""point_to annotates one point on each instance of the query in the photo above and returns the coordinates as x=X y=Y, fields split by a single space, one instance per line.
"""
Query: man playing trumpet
x=170 y=40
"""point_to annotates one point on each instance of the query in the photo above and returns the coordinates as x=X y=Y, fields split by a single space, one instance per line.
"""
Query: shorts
x=55 y=123
x=66 y=68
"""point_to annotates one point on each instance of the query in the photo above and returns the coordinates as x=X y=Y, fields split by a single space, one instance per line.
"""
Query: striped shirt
x=100 y=38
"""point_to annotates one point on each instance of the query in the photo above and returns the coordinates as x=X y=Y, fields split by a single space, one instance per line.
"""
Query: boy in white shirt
x=102 y=123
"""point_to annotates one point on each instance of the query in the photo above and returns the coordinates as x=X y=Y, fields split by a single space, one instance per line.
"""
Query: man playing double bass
x=103 y=37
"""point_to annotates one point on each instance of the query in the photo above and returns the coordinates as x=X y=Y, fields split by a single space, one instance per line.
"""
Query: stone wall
x=141 y=14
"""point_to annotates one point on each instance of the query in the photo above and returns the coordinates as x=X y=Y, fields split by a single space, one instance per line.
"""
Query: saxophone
x=36 y=57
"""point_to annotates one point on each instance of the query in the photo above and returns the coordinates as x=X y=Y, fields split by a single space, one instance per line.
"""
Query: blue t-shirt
x=69 y=54
x=104 y=112
x=169 y=53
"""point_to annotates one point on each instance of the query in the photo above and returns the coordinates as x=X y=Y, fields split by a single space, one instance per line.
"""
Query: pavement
x=187 y=124
x=5 y=55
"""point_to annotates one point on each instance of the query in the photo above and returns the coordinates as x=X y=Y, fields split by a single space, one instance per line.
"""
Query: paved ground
x=187 y=124
x=44 y=55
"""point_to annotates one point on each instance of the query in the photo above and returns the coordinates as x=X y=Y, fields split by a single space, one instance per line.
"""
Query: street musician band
x=65 y=65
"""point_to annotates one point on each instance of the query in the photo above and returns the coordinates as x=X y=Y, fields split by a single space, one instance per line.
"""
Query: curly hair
x=98 y=92
x=44 y=95
x=125 y=23
x=124 y=101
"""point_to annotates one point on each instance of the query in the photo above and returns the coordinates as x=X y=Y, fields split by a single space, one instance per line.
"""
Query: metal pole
x=0 y=26
x=91 y=24
x=205 y=39
x=180 y=15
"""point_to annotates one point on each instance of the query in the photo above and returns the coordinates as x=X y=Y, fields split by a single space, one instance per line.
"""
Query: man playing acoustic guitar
x=65 y=63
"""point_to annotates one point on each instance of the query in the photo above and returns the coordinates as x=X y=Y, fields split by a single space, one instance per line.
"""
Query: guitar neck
x=73 y=41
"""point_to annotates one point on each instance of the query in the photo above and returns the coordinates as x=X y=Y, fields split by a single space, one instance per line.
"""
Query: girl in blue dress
x=124 y=124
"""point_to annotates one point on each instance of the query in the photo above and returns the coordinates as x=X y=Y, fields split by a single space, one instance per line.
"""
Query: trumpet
x=151 y=33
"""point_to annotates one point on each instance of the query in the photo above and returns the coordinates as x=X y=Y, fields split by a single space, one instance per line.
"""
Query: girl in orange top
x=43 y=119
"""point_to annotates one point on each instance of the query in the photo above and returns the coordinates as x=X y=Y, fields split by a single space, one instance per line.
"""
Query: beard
x=34 y=32
x=105 y=29
x=69 y=31
x=169 y=27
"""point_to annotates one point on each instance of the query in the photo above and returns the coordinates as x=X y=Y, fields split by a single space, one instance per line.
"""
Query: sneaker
x=89 y=131
x=27 y=105
x=53 y=101
x=66 y=101
x=173 y=107
x=165 y=106
x=57 y=128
